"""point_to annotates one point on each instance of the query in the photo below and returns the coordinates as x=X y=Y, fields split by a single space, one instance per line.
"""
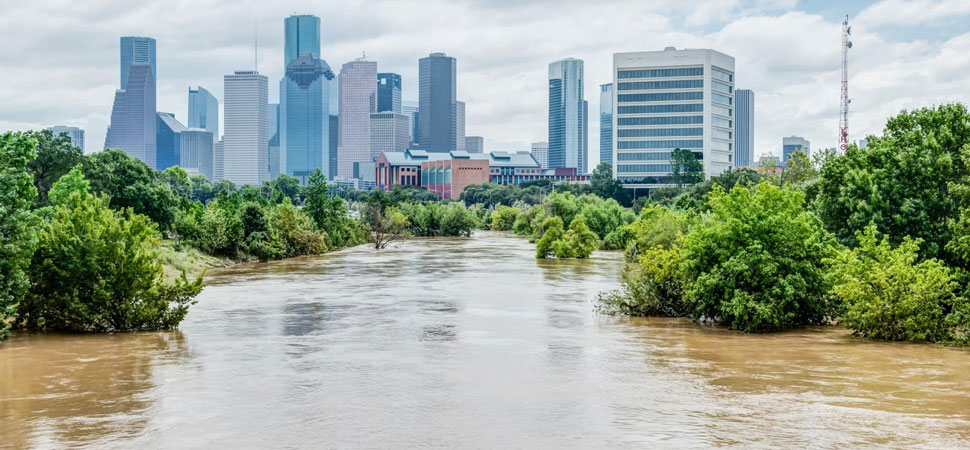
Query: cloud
x=912 y=12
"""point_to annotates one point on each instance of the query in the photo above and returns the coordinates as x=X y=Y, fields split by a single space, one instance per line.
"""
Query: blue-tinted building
x=203 y=110
x=196 y=152
x=334 y=138
x=437 y=103
x=794 y=144
x=167 y=140
x=301 y=35
x=389 y=92
x=410 y=109
x=567 y=140
x=76 y=134
x=133 y=123
x=305 y=117
x=743 y=127
x=606 y=123
x=136 y=50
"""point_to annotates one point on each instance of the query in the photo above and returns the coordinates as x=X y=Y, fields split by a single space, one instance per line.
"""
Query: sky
x=59 y=59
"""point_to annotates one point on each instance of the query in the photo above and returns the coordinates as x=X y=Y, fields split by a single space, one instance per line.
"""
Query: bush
x=577 y=242
x=220 y=230
x=18 y=235
x=504 y=217
x=296 y=231
x=654 y=287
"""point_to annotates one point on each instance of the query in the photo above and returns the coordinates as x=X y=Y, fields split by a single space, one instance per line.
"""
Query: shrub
x=552 y=232
x=18 y=235
x=504 y=217
x=653 y=287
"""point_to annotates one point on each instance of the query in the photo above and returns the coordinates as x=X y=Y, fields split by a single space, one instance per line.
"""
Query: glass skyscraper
x=334 y=134
x=301 y=35
x=167 y=140
x=566 y=121
x=358 y=99
x=606 y=123
x=305 y=117
x=203 y=110
x=76 y=134
x=133 y=122
x=136 y=50
x=245 y=143
x=437 y=103
x=273 y=131
x=389 y=92
x=410 y=109
x=794 y=144
x=743 y=128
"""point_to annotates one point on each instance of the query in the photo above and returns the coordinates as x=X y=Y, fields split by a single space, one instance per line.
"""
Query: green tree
x=130 y=183
x=653 y=287
x=220 y=230
x=96 y=269
x=687 y=169
x=296 y=231
x=55 y=157
x=18 y=236
x=283 y=186
x=579 y=241
x=504 y=217
x=604 y=185
x=552 y=232
x=756 y=263
x=178 y=180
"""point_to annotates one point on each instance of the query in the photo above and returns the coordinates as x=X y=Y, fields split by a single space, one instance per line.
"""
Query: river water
x=466 y=343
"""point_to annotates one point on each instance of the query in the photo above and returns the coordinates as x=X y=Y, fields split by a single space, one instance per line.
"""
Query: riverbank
x=194 y=262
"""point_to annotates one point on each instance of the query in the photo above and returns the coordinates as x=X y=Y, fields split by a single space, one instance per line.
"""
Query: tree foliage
x=130 y=183
x=686 y=168
x=18 y=236
x=55 y=157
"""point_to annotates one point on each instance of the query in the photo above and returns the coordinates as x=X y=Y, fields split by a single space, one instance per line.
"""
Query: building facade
x=334 y=135
x=389 y=93
x=203 y=110
x=218 y=161
x=794 y=144
x=667 y=100
x=566 y=122
x=460 y=126
x=167 y=140
x=743 y=127
x=358 y=99
x=410 y=109
x=137 y=50
x=133 y=125
x=474 y=144
x=301 y=35
x=245 y=138
x=196 y=151
x=388 y=133
x=540 y=151
x=273 y=131
x=606 y=123
x=437 y=103
x=76 y=134
x=305 y=118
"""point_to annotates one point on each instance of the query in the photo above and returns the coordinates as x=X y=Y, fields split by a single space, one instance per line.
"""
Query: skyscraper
x=137 y=50
x=133 y=122
x=167 y=140
x=566 y=137
x=437 y=103
x=301 y=36
x=196 y=148
x=245 y=140
x=606 y=123
x=203 y=110
x=584 y=168
x=410 y=109
x=540 y=151
x=460 y=126
x=76 y=134
x=389 y=92
x=667 y=100
x=474 y=144
x=334 y=143
x=743 y=127
x=794 y=144
x=358 y=99
x=273 y=131
x=305 y=118
x=218 y=160
x=388 y=133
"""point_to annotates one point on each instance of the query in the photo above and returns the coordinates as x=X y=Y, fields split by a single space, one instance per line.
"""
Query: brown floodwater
x=466 y=343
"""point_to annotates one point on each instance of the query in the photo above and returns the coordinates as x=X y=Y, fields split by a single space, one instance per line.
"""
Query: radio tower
x=844 y=110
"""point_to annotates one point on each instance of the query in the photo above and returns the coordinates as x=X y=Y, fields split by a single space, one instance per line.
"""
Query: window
x=675 y=143
x=721 y=98
x=672 y=84
x=717 y=109
x=660 y=132
x=720 y=122
x=651 y=156
x=721 y=145
x=661 y=168
x=660 y=97
x=721 y=87
x=656 y=109
x=721 y=134
x=661 y=73
x=723 y=75
x=670 y=120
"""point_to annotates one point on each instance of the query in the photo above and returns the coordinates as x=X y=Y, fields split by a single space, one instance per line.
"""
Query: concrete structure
x=358 y=99
x=540 y=151
x=794 y=144
x=136 y=50
x=670 y=99
x=474 y=144
x=566 y=118
x=743 y=127
x=389 y=93
x=410 y=109
x=203 y=110
x=196 y=151
x=245 y=139
x=133 y=125
x=76 y=134
x=388 y=133
x=301 y=35
x=437 y=104
x=305 y=117
x=606 y=123
x=167 y=140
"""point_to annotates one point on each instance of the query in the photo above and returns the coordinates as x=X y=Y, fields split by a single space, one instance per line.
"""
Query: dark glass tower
x=437 y=109
x=389 y=92
x=302 y=35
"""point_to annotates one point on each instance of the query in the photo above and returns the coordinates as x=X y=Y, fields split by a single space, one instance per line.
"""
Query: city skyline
x=795 y=78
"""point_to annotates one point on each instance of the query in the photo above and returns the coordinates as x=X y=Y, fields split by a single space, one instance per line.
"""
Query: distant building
x=743 y=127
x=137 y=50
x=794 y=144
x=566 y=139
x=167 y=140
x=540 y=151
x=273 y=131
x=358 y=99
x=388 y=133
x=606 y=123
x=334 y=135
x=245 y=139
x=133 y=125
x=389 y=93
x=301 y=35
x=203 y=110
x=585 y=165
x=460 y=126
x=437 y=104
x=304 y=118
x=218 y=160
x=474 y=144
x=196 y=151
x=410 y=109
x=76 y=134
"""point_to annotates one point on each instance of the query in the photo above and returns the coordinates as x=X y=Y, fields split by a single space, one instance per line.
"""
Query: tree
x=604 y=185
x=579 y=241
x=653 y=287
x=283 y=186
x=798 y=169
x=96 y=269
x=504 y=217
x=18 y=236
x=552 y=232
x=296 y=231
x=177 y=179
x=329 y=213
x=386 y=225
x=687 y=169
x=756 y=264
x=55 y=157
x=130 y=183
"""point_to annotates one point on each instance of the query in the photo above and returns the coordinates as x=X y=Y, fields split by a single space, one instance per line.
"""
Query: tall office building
x=388 y=133
x=566 y=114
x=245 y=139
x=137 y=50
x=76 y=134
x=794 y=144
x=334 y=144
x=301 y=36
x=585 y=167
x=133 y=122
x=196 y=151
x=474 y=144
x=389 y=92
x=305 y=117
x=606 y=123
x=273 y=131
x=218 y=160
x=410 y=109
x=667 y=100
x=460 y=126
x=167 y=140
x=437 y=103
x=743 y=127
x=358 y=99
x=203 y=110
x=540 y=151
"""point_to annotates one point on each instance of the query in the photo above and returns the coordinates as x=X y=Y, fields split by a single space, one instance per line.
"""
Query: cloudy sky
x=59 y=58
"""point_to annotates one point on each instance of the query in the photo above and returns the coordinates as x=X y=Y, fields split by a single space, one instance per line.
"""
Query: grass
x=176 y=259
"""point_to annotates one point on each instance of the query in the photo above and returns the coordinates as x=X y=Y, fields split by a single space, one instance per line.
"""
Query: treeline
x=877 y=239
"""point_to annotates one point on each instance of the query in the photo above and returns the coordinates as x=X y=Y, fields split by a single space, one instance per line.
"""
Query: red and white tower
x=844 y=110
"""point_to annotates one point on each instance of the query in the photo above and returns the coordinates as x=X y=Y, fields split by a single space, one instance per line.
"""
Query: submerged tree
x=18 y=236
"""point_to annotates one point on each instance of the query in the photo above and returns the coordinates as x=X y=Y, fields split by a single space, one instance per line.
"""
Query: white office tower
x=245 y=131
x=670 y=99
x=540 y=151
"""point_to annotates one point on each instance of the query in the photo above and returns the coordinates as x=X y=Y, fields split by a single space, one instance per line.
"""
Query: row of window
x=718 y=86
x=673 y=143
x=724 y=111
x=720 y=122
x=645 y=180
x=670 y=84
x=660 y=132
x=660 y=97
x=722 y=98
x=722 y=75
x=659 y=109
x=649 y=168
x=651 y=156
x=720 y=134
x=661 y=73
x=721 y=145
x=668 y=120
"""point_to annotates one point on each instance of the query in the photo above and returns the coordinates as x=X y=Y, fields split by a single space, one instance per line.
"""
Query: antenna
x=844 y=107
